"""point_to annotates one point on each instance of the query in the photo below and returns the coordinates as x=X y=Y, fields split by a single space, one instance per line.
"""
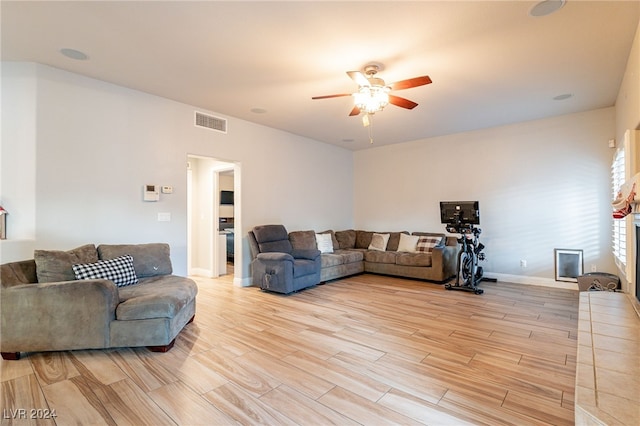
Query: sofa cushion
x=408 y=243
x=17 y=273
x=272 y=238
x=394 y=240
x=351 y=256
x=379 y=242
x=119 y=270
x=303 y=240
x=325 y=243
x=155 y=297
x=346 y=239
x=310 y=254
x=363 y=239
x=330 y=259
x=302 y=267
x=414 y=259
x=427 y=243
x=380 y=256
x=149 y=260
x=56 y=265
x=341 y=257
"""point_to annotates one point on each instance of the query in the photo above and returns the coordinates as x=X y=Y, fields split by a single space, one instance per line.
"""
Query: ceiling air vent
x=210 y=122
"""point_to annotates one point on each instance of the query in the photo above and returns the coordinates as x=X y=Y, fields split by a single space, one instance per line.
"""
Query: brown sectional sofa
x=352 y=255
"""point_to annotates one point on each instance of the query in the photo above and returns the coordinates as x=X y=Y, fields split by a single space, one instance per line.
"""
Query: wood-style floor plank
x=19 y=397
x=303 y=410
x=419 y=409
x=244 y=408
x=53 y=367
x=127 y=404
x=75 y=403
x=362 y=410
x=186 y=407
x=348 y=379
x=368 y=349
x=287 y=374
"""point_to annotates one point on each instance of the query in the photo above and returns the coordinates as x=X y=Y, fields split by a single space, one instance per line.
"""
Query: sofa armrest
x=310 y=254
x=443 y=258
x=275 y=256
x=57 y=315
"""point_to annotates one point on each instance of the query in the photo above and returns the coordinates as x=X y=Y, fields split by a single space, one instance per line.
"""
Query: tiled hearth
x=608 y=362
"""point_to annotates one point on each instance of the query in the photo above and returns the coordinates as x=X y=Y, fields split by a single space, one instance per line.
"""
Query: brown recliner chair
x=276 y=266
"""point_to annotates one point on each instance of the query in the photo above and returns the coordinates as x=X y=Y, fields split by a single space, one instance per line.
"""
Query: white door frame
x=210 y=217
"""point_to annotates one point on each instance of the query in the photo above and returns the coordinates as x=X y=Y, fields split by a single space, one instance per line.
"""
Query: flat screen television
x=226 y=198
x=467 y=212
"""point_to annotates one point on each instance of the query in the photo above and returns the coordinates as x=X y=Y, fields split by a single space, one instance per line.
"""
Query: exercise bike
x=468 y=273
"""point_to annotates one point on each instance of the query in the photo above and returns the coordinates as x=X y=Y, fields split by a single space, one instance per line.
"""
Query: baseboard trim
x=201 y=272
x=516 y=279
x=539 y=281
x=242 y=282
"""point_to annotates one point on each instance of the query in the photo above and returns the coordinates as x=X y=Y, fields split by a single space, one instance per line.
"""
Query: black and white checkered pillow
x=119 y=270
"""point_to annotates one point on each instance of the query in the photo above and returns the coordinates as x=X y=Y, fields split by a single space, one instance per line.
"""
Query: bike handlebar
x=464 y=228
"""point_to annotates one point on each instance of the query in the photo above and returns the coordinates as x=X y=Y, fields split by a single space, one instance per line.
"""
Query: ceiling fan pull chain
x=370 y=121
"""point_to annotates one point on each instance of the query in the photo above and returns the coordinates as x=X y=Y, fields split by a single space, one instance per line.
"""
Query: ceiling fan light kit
x=371 y=99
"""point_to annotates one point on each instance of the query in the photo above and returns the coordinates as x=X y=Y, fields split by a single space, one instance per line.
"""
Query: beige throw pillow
x=408 y=243
x=379 y=242
x=325 y=243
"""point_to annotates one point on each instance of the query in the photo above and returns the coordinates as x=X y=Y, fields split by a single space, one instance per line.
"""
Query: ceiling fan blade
x=411 y=82
x=359 y=78
x=402 y=102
x=331 y=96
x=354 y=111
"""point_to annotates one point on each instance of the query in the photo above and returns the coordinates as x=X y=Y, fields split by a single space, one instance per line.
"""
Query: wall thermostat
x=151 y=193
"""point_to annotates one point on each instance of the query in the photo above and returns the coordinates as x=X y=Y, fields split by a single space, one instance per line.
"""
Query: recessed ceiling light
x=74 y=54
x=562 y=97
x=546 y=7
x=257 y=110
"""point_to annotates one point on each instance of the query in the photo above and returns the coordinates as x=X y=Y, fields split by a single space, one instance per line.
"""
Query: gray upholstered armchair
x=277 y=266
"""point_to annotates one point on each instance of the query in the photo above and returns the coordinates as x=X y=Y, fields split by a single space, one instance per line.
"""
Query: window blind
x=619 y=232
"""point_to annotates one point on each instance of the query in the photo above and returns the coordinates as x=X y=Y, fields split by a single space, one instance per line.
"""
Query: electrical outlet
x=594 y=268
x=523 y=263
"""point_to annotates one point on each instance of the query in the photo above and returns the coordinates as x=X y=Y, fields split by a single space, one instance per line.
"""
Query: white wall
x=17 y=160
x=97 y=144
x=541 y=185
x=628 y=100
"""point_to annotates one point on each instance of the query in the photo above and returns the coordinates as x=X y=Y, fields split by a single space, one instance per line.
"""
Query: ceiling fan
x=373 y=93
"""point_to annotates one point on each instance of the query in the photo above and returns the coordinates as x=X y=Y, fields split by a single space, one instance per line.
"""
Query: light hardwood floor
x=367 y=350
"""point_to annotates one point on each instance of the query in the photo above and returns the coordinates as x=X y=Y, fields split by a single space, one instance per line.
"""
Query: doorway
x=211 y=216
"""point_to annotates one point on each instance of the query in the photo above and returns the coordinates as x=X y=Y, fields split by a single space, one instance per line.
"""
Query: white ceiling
x=490 y=61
